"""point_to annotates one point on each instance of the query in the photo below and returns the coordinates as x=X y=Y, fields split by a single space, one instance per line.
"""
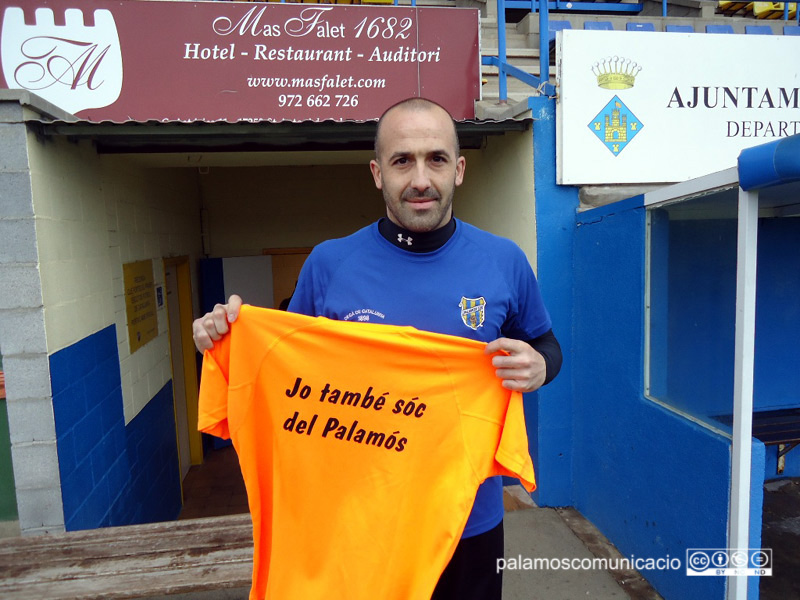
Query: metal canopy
x=716 y=196
x=167 y=137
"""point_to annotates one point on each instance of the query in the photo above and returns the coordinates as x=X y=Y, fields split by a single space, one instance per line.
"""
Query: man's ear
x=461 y=165
x=376 y=173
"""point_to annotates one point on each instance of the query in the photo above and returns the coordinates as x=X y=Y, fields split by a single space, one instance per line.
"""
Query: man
x=422 y=267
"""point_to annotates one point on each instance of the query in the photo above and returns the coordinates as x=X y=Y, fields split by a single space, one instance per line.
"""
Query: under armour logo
x=401 y=239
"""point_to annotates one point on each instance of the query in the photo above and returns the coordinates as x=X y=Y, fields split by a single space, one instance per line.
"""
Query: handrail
x=523 y=76
x=544 y=42
x=501 y=52
x=541 y=83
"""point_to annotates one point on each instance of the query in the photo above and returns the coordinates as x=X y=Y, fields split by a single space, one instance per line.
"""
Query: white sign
x=644 y=107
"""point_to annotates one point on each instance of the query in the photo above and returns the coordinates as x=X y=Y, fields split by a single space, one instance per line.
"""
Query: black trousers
x=472 y=573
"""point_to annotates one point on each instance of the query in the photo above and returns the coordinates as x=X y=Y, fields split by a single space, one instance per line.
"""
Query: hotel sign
x=639 y=107
x=235 y=61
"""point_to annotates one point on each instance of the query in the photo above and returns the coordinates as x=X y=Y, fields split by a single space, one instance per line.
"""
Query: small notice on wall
x=140 y=304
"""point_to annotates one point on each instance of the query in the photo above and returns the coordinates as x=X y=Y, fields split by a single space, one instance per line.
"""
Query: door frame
x=184 y=284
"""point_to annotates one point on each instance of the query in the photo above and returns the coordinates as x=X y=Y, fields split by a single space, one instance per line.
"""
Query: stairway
x=522 y=51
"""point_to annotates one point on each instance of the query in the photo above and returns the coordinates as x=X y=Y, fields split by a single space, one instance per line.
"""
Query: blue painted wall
x=777 y=368
x=549 y=412
x=654 y=482
x=111 y=474
x=702 y=315
x=700 y=290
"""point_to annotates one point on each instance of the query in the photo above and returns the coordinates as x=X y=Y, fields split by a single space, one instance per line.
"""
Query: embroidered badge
x=473 y=311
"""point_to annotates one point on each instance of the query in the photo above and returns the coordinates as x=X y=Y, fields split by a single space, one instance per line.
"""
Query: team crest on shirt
x=473 y=311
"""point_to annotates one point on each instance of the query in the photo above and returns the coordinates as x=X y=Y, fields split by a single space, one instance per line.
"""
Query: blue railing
x=533 y=6
x=543 y=7
x=541 y=83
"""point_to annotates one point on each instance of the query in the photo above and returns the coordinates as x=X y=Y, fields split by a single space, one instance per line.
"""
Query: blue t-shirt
x=477 y=285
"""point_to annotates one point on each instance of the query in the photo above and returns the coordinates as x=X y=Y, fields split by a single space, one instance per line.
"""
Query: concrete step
x=517 y=40
x=520 y=53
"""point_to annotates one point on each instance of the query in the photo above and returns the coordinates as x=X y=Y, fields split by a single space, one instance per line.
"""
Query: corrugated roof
x=178 y=136
x=225 y=136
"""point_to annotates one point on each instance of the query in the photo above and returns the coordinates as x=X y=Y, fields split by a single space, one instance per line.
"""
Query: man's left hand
x=519 y=366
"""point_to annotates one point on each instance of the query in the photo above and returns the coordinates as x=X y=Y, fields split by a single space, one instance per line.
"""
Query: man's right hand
x=213 y=325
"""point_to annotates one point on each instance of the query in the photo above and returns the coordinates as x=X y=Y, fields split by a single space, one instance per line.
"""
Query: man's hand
x=213 y=325
x=519 y=366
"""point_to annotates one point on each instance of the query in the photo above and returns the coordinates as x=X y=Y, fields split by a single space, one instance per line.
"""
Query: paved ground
x=541 y=533
x=555 y=534
x=533 y=532
x=781 y=532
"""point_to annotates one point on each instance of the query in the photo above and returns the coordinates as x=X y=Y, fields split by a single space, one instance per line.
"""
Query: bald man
x=420 y=266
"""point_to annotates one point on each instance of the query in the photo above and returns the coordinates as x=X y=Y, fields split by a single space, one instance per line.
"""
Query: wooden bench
x=201 y=559
x=779 y=428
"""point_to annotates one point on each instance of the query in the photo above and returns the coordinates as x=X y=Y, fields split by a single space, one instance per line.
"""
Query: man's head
x=417 y=164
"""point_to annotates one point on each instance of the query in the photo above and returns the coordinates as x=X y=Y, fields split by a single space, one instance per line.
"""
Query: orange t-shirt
x=362 y=447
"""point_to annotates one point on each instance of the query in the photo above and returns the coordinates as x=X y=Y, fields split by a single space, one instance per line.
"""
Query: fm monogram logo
x=473 y=311
x=75 y=66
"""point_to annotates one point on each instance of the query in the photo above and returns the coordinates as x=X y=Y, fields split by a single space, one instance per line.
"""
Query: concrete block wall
x=87 y=402
x=22 y=336
x=111 y=474
x=151 y=214
x=94 y=214
x=99 y=448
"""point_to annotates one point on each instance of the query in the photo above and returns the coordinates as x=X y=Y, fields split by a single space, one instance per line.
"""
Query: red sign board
x=234 y=61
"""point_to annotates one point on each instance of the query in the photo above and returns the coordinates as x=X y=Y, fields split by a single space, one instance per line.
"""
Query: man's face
x=417 y=167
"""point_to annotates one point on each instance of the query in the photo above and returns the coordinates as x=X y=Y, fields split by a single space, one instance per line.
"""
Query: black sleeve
x=547 y=345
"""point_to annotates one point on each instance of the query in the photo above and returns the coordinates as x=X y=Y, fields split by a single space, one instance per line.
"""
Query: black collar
x=426 y=241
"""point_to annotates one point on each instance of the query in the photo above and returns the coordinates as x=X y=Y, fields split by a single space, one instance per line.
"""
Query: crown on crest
x=616 y=72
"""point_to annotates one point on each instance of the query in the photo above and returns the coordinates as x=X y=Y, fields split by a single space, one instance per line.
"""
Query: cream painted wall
x=72 y=240
x=252 y=208
x=93 y=214
x=497 y=193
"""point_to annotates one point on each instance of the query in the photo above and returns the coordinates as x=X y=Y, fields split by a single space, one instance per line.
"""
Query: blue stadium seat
x=758 y=29
x=680 y=28
x=791 y=30
x=640 y=27
x=599 y=25
x=557 y=26
x=711 y=28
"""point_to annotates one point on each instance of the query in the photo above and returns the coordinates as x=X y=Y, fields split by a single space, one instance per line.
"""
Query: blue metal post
x=663 y=8
x=501 y=52
x=544 y=42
